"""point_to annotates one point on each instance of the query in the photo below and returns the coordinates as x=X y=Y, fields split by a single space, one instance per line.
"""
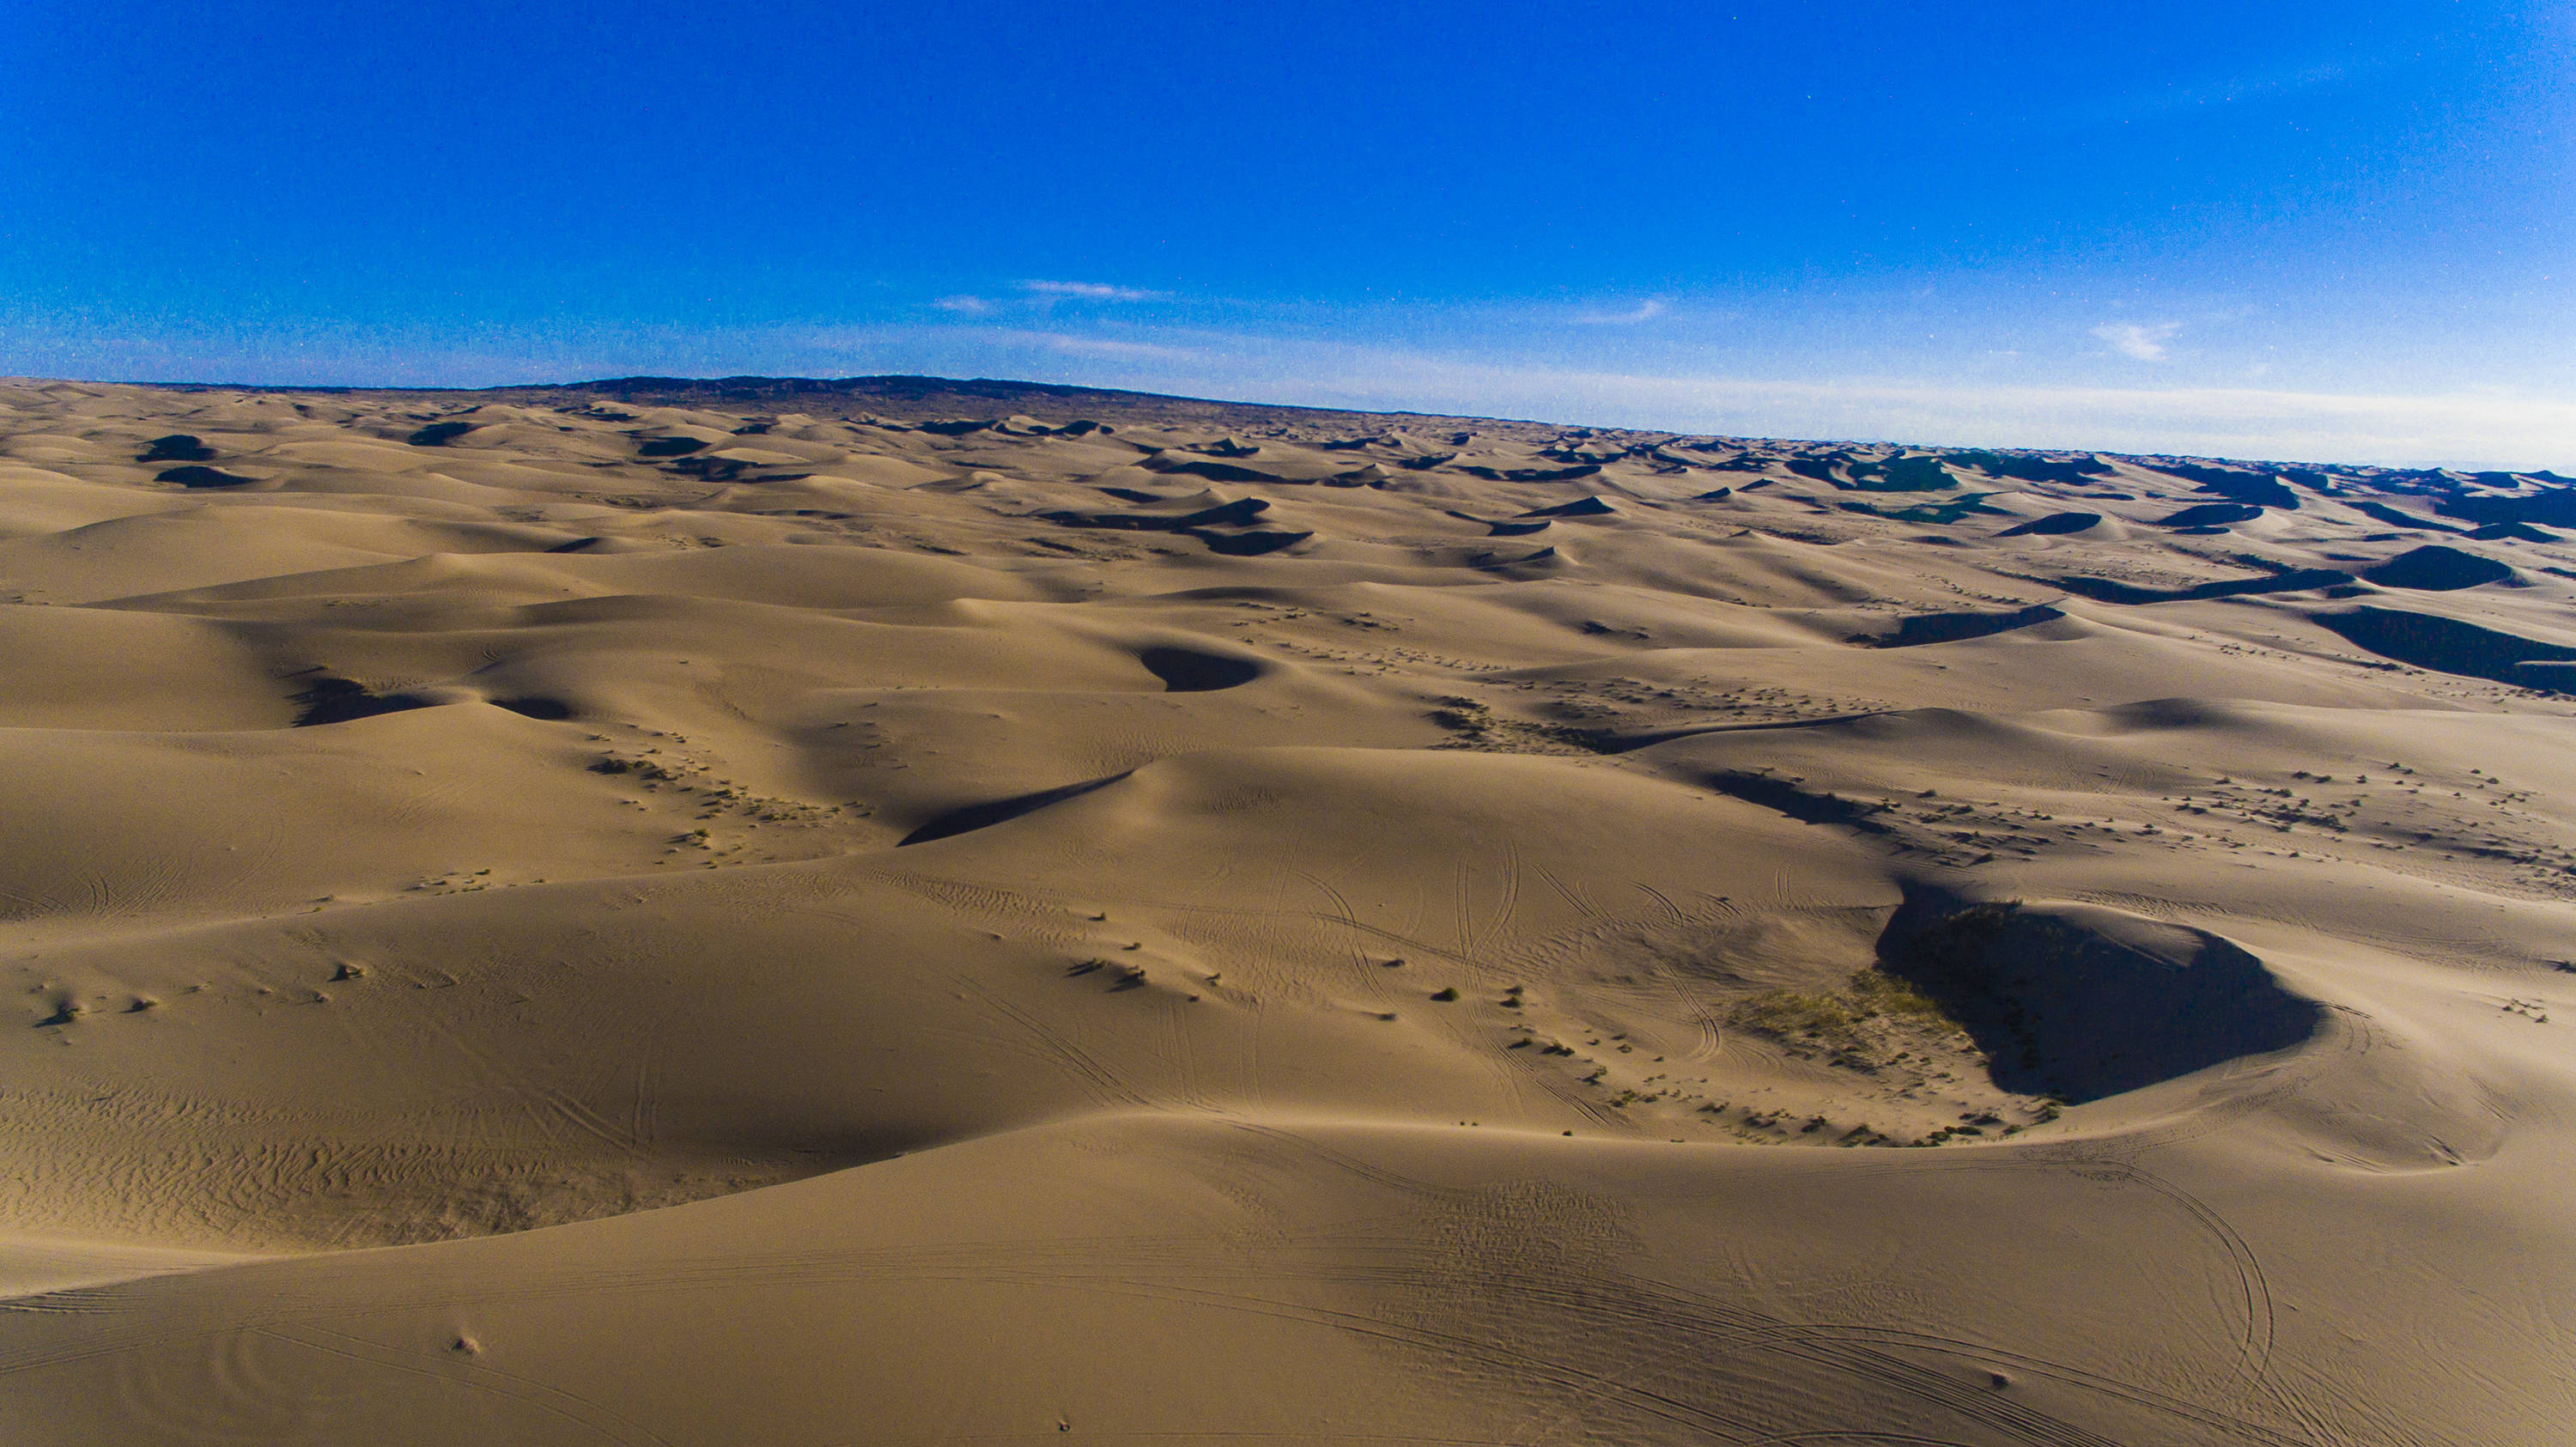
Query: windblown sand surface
x=906 y=912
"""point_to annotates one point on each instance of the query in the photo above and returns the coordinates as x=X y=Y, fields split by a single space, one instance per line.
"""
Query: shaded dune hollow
x=2453 y=645
x=784 y=912
x=2079 y=1002
x=1189 y=670
x=339 y=700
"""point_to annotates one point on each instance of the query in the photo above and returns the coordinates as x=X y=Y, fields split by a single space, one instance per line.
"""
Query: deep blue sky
x=2318 y=230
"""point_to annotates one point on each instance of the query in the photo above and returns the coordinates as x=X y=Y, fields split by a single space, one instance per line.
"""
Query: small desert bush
x=1834 y=1018
x=1881 y=993
x=1790 y=1015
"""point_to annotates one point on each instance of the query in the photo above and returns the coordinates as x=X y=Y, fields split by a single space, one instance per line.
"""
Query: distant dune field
x=900 y=911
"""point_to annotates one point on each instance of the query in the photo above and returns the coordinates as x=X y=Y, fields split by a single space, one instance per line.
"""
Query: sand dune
x=905 y=911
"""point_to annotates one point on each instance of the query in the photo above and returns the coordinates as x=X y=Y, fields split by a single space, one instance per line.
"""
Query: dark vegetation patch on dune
x=1859 y=1025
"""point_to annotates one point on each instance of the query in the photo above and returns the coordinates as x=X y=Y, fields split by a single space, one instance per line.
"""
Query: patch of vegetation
x=1885 y=994
x=1956 y=958
x=1790 y=1015
x=2064 y=1008
x=1836 y=1020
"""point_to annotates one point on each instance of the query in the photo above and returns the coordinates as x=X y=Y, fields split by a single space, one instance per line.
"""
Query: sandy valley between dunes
x=901 y=912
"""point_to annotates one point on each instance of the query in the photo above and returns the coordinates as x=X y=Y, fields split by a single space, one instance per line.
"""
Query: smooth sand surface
x=908 y=912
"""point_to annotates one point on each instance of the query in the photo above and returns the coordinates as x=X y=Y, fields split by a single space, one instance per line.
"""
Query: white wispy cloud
x=1039 y=297
x=1088 y=291
x=2144 y=342
x=1644 y=311
x=1073 y=346
x=974 y=348
x=2147 y=103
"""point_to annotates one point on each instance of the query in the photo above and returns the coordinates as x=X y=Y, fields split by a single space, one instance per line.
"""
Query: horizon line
x=1060 y=388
